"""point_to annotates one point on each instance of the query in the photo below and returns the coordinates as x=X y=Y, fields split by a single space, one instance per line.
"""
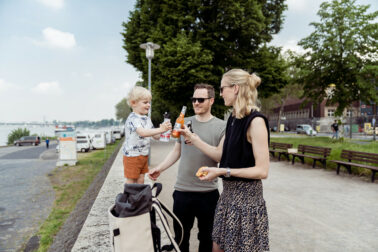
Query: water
x=41 y=131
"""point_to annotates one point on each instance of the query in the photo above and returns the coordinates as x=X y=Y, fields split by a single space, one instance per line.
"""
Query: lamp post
x=149 y=47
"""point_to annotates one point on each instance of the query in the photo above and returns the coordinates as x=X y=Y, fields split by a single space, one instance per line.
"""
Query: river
x=41 y=131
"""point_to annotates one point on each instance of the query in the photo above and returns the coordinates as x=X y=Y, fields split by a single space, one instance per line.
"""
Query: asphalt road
x=26 y=195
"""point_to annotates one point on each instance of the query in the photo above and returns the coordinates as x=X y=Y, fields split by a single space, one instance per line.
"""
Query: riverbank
x=76 y=187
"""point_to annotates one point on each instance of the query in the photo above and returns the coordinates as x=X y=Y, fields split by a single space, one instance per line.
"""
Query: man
x=192 y=197
x=47 y=142
x=335 y=129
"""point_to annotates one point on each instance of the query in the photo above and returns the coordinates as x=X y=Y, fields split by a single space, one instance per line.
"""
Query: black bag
x=132 y=220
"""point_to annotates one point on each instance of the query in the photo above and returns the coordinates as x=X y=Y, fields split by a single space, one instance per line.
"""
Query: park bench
x=281 y=149
x=316 y=153
x=368 y=161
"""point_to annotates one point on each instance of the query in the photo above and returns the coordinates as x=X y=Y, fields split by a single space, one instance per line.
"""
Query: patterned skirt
x=241 y=219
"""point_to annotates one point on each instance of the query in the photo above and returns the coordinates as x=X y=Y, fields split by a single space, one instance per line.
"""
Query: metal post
x=350 y=126
x=149 y=85
x=149 y=47
x=374 y=121
x=149 y=111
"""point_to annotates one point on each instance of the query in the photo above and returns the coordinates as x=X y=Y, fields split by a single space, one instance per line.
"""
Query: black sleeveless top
x=237 y=151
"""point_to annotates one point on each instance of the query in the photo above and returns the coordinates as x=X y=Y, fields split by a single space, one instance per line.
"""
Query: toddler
x=138 y=130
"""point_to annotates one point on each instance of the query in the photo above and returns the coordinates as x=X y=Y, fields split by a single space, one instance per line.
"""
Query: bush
x=16 y=134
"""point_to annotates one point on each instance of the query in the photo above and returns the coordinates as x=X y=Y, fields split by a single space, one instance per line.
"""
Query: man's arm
x=169 y=160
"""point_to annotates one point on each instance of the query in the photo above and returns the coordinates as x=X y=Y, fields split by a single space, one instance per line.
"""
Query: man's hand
x=154 y=174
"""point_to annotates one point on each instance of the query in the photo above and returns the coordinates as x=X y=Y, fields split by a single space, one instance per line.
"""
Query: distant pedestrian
x=47 y=142
x=138 y=130
x=335 y=130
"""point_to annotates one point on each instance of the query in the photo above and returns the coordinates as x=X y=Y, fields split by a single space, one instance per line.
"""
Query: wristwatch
x=228 y=172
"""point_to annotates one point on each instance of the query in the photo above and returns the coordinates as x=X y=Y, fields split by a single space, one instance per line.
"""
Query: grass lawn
x=336 y=146
x=70 y=183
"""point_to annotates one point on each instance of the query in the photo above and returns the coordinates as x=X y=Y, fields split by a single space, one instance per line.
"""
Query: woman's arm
x=213 y=152
x=257 y=134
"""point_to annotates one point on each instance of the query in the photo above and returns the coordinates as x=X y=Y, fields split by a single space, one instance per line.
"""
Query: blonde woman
x=241 y=219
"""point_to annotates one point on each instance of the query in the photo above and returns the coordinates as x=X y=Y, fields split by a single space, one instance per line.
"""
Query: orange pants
x=135 y=166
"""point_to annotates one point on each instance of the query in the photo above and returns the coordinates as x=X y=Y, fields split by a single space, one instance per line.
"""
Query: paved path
x=309 y=209
x=26 y=195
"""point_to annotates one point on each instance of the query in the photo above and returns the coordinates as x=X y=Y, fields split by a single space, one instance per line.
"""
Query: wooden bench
x=353 y=156
x=281 y=149
x=316 y=153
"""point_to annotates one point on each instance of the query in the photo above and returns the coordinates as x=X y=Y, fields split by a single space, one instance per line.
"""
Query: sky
x=63 y=59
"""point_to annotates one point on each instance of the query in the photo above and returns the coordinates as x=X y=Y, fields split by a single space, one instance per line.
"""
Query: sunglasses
x=222 y=88
x=200 y=100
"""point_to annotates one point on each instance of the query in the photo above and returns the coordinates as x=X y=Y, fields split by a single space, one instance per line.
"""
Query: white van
x=82 y=142
x=117 y=133
x=98 y=140
x=109 y=137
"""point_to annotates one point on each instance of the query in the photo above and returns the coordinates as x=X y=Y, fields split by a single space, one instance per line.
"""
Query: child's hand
x=165 y=126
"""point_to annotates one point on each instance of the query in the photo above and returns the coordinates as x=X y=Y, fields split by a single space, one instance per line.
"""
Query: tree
x=292 y=90
x=122 y=110
x=200 y=40
x=16 y=134
x=342 y=50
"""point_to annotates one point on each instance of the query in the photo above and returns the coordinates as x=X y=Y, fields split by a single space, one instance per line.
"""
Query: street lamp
x=149 y=47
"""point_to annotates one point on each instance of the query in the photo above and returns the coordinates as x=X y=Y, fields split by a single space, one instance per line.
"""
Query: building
x=321 y=116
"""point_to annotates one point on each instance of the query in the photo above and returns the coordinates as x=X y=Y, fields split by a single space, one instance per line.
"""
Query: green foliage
x=122 y=110
x=293 y=89
x=16 y=134
x=343 y=51
x=200 y=40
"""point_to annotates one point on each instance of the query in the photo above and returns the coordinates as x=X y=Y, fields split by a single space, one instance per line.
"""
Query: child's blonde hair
x=138 y=93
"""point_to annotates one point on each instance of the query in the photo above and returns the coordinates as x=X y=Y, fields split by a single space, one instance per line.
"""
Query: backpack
x=132 y=220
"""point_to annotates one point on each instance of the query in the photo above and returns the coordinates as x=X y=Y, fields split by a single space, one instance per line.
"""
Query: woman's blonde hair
x=246 y=99
x=138 y=93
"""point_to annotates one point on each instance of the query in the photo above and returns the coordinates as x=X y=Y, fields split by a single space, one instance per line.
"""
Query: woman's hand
x=212 y=173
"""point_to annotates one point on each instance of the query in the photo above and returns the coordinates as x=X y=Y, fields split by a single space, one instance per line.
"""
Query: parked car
x=28 y=140
x=306 y=129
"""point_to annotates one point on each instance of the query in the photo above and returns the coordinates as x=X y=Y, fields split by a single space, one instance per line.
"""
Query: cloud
x=303 y=6
x=54 y=4
x=88 y=75
x=293 y=46
x=7 y=86
x=57 y=39
x=48 y=88
x=4 y=86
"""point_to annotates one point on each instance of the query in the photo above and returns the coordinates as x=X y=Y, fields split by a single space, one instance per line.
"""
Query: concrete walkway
x=309 y=209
